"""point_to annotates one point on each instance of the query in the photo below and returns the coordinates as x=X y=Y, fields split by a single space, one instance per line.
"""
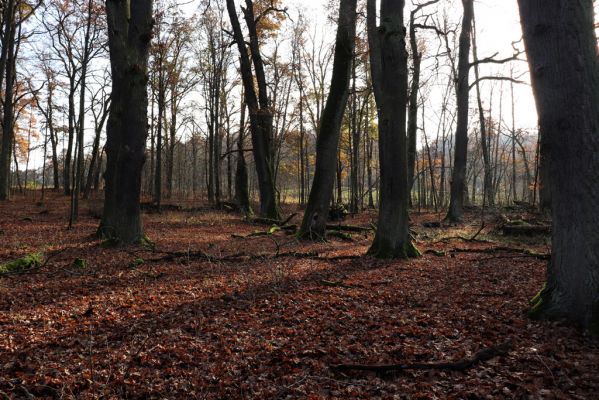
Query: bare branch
x=496 y=78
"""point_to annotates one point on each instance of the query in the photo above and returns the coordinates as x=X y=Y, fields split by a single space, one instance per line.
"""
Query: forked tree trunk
x=317 y=210
x=129 y=34
x=260 y=110
x=458 y=177
x=389 y=64
x=562 y=52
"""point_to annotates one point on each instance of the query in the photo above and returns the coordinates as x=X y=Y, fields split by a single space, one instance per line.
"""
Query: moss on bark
x=31 y=260
x=539 y=304
x=385 y=250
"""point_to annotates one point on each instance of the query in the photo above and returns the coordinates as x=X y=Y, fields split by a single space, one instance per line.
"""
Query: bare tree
x=258 y=103
x=327 y=143
x=389 y=65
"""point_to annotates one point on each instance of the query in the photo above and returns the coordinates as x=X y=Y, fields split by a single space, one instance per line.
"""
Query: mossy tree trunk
x=389 y=64
x=129 y=34
x=327 y=143
x=562 y=53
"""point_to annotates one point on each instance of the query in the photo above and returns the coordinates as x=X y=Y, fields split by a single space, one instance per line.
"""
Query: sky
x=498 y=25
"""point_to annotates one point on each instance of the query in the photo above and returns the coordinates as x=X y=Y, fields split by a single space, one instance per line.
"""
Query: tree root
x=483 y=355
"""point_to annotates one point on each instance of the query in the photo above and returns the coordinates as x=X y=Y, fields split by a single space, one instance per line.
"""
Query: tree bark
x=129 y=35
x=389 y=65
x=327 y=143
x=561 y=46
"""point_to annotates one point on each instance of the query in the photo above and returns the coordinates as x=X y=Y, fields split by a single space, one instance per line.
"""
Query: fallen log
x=462 y=365
x=340 y=235
x=240 y=257
x=525 y=230
x=270 y=221
x=499 y=249
x=288 y=229
x=349 y=228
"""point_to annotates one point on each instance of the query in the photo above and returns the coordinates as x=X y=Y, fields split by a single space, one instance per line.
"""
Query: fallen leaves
x=268 y=323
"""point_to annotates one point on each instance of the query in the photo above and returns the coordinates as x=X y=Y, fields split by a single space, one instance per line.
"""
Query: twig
x=336 y=284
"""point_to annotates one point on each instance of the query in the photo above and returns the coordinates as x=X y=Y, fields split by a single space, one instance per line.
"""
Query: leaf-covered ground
x=243 y=318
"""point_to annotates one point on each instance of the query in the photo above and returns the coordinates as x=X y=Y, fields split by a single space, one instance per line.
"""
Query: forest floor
x=209 y=315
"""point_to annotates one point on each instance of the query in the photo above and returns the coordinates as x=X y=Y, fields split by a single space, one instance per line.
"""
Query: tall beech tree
x=129 y=35
x=561 y=45
x=458 y=177
x=389 y=65
x=258 y=104
x=8 y=72
x=412 y=129
x=242 y=196
x=327 y=143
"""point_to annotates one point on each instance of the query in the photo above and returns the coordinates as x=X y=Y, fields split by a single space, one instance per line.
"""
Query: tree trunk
x=8 y=116
x=96 y=150
x=389 y=65
x=242 y=195
x=327 y=143
x=260 y=111
x=562 y=52
x=80 y=165
x=488 y=191
x=354 y=203
x=159 y=126
x=413 y=102
x=129 y=36
x=458 y=178
x=544 y=177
